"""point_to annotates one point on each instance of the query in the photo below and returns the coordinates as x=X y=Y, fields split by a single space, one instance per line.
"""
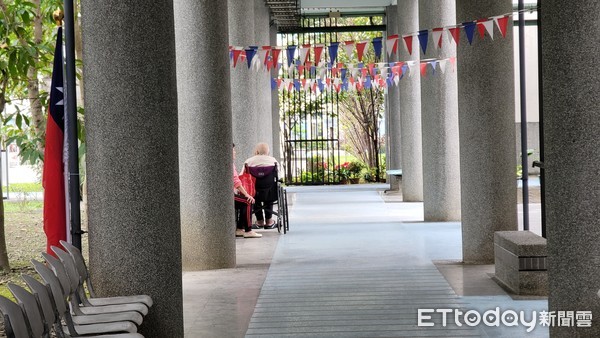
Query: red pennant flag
x=455 y=32
x=372 y=69
x=453 y=62
x=364 y=72
x=53 y=180
x=423 y=69
x=408 y=40
x=502 y=23
x=360 y=49
x=268 y=49
x=275 y=55
x=481 y=27
x=318 y=50
x=236 y=56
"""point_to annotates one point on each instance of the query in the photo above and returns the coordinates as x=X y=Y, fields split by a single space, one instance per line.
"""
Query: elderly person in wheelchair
x=265 y=168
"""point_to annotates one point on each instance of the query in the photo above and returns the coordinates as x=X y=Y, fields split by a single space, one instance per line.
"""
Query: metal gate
x=310 y=125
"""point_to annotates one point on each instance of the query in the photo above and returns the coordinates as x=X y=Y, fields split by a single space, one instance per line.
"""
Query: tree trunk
x=33 y=86
x=4 y=264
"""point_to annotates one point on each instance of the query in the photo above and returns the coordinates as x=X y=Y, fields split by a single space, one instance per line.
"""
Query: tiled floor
x=351 y=266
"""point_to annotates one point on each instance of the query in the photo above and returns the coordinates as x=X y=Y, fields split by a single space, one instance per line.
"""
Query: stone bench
x=521 y=262
x=394 y=177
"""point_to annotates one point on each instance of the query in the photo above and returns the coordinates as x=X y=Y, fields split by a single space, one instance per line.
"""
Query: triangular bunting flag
x=304 y=53
x=423 y=69
x=481 y=28
x=452 y=62
x=502 y=23
x=433 y=65
x=291 y=50
x=273 y=83
x=349 y=48
x=391 y=44
x=250 y=52
x=455 y=34
x=408 y=43
x=236 y=56
x=377 y=46
x=318 y=50
x=442 y=64
x=275 y=55
x=469 y=30
x=423 y=38
x=436 y=33
x=333 y=50
x=360 y=49
x=489 y=27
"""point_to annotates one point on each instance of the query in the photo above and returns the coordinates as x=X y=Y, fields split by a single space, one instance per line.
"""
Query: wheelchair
x=270 y=191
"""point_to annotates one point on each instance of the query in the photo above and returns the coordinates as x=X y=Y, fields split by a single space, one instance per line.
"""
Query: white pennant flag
x=354 y=72
x=411 y=68
x=349 y=47
x=437 y=35
x=291 y=70
x=489 y=27
x=303 y=54
x=389 y=44
x=384 y=72
x=396 y=79
x=442 y=64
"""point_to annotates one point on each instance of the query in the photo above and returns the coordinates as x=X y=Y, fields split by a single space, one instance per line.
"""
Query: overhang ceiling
x=287 y=13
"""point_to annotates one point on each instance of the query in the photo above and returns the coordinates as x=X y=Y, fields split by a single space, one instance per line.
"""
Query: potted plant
x=354 y=168
x=343 y=172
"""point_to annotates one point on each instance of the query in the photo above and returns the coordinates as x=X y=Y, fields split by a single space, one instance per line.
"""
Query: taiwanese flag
x=55 y=220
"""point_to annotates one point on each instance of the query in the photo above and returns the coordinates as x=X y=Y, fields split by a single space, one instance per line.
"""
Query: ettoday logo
x=494 y=317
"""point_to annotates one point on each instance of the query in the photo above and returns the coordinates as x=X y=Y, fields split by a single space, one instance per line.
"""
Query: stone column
x=439 y=118
x=243 y=81
x=208 y=241
x=392 y=112
x=572 y=158
x=487 y=133
x=263 y=78
x=132 y=160
x=410 y=106
x=276 y=127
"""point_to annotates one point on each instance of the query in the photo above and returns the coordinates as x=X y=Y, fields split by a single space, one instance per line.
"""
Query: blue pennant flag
x=273 y=83
x=345 y=85
x=321 y=85
x=291 y=50
x=390 y=80
x=377 y=46
x=434 y=66
x=333 y=49
x=423 y=39
x=313 y=71
x=368 y=82
x=250 y=52
x=297 y=84
x=470 y=30
x=344 y=70
x=361 y=65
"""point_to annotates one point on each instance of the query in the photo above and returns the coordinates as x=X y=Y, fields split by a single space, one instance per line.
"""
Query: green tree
x=27 y=35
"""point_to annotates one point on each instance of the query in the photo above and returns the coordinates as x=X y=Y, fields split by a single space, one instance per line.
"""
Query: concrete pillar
x=392 y=112
x=243 y=81
x=263 y=78
x=132 y=160
x=487 y=133
x=410 y=106
x=275 y=118
x=208 y=241
x=572 y=159
x=439 y=118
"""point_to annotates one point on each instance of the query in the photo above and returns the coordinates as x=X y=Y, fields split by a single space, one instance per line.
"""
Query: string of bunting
x=320 y=74
x=373 y=75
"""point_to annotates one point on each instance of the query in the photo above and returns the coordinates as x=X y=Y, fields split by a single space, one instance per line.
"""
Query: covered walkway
x=355 y=264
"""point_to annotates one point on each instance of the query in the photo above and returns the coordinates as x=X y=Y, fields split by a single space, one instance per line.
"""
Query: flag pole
x=71 y=127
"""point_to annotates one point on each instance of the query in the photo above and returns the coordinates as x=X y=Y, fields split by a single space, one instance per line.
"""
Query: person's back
x=264 y=209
